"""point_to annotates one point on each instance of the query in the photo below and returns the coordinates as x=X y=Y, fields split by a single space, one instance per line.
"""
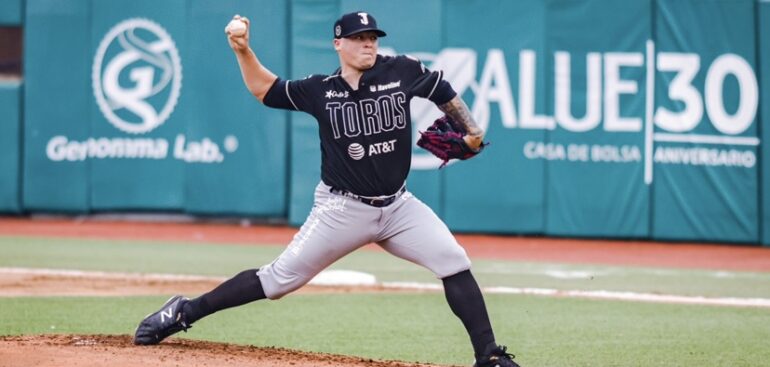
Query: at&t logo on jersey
x=357 y=151
x=137 y=75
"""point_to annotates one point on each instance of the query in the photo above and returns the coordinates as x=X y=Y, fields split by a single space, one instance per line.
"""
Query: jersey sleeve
x=294 y=95
x=429 y=84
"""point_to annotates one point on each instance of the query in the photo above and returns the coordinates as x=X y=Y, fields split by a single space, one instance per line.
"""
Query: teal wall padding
x=716 y=201
x=11 y=13
x=763 y=40
x=649 y=126
x=57 y=103
x=145 y=110
x=10 y=146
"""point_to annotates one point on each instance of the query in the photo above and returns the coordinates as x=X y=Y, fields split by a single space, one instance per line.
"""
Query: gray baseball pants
x=338 y=225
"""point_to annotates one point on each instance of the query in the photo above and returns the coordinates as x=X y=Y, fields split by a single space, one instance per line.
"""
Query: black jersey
x=366 y=134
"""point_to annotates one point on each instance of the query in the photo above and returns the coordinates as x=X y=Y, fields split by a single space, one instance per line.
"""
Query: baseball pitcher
x=365 y=130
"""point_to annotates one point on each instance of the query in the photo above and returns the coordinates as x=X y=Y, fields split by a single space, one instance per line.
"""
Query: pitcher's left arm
x=458 y=111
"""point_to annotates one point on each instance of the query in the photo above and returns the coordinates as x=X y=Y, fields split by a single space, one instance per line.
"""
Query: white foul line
x=546 y=292
x=637 y=297
x=602 y=294
x=707 y=139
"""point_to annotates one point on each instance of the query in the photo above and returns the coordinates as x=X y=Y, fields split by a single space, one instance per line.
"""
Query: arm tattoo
x=458 y=111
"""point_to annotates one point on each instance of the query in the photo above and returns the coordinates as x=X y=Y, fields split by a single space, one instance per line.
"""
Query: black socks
x=466 y=301
x=461 y=290
x=238 y=290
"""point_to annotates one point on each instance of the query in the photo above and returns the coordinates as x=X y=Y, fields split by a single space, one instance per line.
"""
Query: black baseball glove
x=445 y=140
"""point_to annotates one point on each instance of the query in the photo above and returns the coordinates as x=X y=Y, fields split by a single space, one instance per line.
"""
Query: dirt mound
x=119 y=351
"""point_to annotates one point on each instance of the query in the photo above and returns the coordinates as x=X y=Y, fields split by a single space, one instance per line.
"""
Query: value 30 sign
x=606 y=83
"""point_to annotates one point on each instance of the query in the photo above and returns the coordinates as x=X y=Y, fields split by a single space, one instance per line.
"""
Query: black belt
x=377 y=202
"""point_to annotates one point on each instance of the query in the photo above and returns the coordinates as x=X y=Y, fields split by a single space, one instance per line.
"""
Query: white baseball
x=236 y=27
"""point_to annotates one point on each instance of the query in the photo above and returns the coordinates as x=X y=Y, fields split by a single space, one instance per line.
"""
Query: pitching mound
x=119 y=351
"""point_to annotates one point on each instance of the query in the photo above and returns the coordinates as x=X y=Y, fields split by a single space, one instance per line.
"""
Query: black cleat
x=497 y=358
x=167 y=321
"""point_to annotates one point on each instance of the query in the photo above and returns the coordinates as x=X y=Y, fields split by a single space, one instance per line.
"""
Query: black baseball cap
x=356 y=22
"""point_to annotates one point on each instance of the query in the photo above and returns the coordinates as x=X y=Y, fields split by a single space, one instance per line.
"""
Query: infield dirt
x=119 y=351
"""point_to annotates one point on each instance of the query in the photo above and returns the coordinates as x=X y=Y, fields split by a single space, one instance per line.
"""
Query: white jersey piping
x=440 y=75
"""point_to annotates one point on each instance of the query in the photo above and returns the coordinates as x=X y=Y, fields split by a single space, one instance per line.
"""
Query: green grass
x=132 y=256
x=228 y=259
x=420 y=327
x=415 y=327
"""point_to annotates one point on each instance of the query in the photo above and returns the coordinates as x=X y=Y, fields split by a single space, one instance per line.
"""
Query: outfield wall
x=11 y=12
x=10 y=150
x=199 y=144
x=633 y=119
x=763 y=23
